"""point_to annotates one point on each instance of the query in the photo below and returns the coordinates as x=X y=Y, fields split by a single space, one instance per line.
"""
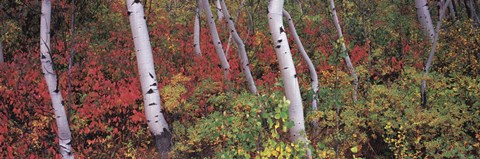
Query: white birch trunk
x=423 y=15
x=151 y=96
x=240 y=49
x=423 y=89
x=2 y=60
x=64 y=134
x=311 y=67
x=287 y=68
x=196 y=30
x=215 y=39
x=219 y=10
x=344 y=49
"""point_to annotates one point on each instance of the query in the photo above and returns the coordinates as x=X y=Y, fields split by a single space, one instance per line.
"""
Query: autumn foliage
x=216 y=119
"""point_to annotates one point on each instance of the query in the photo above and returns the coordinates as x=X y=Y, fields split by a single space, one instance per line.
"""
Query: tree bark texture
x=311 y=67
x=348 y=62
x=240 y=49
x=423 y=15
x=423 y=89
x=216 y=40
x=196 y=30
x=64 y=134
x=148 y=79
x=287 y=69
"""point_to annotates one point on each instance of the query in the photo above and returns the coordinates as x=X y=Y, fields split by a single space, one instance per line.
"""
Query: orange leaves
x=137 y=117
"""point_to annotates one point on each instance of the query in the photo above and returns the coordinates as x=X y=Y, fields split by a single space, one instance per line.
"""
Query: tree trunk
x=423 y=15
x=216 y=40
x=196 y=30
x=240 y=49
x=148 y=79
x=311 y=67
x=287 y=68
x=344 y=50
x=472 y=11
x=452 y=11
x=423 y=88
x=2 y=60
x=64 y=134
x=219 y=10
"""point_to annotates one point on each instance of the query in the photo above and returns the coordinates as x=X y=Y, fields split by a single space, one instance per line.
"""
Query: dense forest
x=240 y=79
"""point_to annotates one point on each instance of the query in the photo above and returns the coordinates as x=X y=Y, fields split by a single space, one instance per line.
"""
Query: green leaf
x=354 y=149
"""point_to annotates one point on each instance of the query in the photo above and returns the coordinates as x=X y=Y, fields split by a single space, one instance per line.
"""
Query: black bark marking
x=218 y=43
x=279 y=41
x=129 y=13
x=164 y=141
x=152 y=104
x=156 y=116
x=69 y=143
x=285 y=68
x=219 y=66
x=278 y=46
x=295 y=75
x=154 y=84
x=281 y=30
x=144 y=17
x=268 y=10
x=148 y=121
x=194 y=45
x=136 y=1
x=150 y=91
x=56 y=91
x=150 y=75
x=43 y=56
x=156 y=121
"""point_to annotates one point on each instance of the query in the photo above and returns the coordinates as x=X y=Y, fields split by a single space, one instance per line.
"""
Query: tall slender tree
x=242 y=53
x=219 y=10
x=311 y=67
x=2 y=60
x=423 y=89
x=196 y=29
x=215 y=39
x=423 y=15
x=348 y=62
x=148 y=78
x=64 y=134
x=287 y=68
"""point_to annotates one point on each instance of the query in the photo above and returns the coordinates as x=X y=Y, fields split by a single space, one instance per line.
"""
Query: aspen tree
x=215 y=39
x=344 y=50
x=219 y=10
x=196 y=30
x=423 y=15
x=423 y=89
x=2 y=60
x=287 y=69
x=311 y=67
x=64 y=134
x=242 y=53
x=148 y=78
